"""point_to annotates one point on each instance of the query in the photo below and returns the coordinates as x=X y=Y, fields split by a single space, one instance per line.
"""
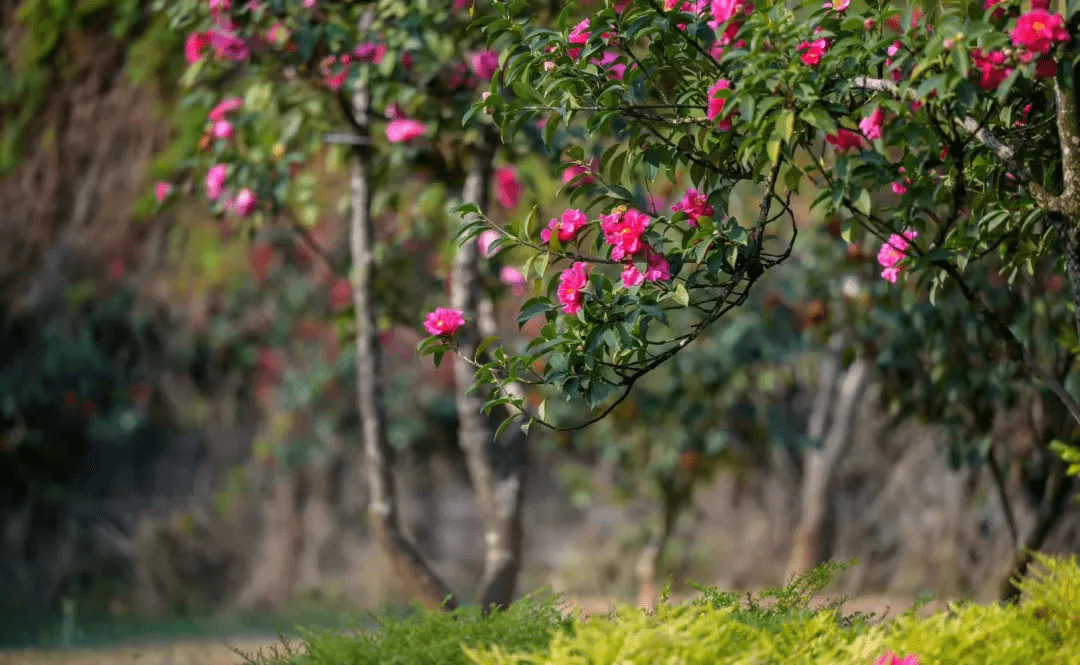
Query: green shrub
x=429 y=638
x=778 y=626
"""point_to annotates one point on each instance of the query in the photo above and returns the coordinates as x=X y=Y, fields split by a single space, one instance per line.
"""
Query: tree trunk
x=648 y=566
x=496 y=467
x=819 y=469
x=424 y=585
x=1050 y=510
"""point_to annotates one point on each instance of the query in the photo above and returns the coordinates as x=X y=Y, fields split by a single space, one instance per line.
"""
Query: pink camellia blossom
x=566 y=226
x=892 y=252
x=215 y=181
x=609 y=61
x=890 y=658
x=229 y=46
x=999 y=12
x=577 y=169
x=623 y=229
x=572 y=282
x=578 y=35
x=404 y=130
x=485 y=64
x=225 y=107
x=716 y=104
x=845 y=139
x=223 y=129
x=369 y=52
x=724 y=10
x=513 y=278
x=507 y=187
x=194 y=46
x=484 y=241
x=657 y=269
x=991 y=68
x=278 y=34
x=810 y=52
x=695 y=205
x=309 y=4
x=444 y=321
x=871 y=124
x=458 y=77
x=340 y=294
x=1038 y=30
x=837 y=5
x=245 y=203
x=161 y=191
x=899 y=188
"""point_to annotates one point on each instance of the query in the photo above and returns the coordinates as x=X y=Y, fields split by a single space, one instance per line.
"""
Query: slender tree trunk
x=648 y=565
x=496 y=467
x=424 y=585
x=1050 y=510
x=819 y=469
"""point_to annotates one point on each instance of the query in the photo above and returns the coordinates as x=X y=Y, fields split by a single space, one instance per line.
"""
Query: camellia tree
x=966 y=112
x=381 y=86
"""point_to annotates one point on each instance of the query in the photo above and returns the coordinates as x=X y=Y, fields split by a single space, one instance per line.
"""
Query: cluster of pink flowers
x=623 y=229
x=566 y=226
x=695 y=205
x=221 y=127
x=892 y=252
x=572 y=282
x=716 y=104
x=444 y=321
x=991 y=68
x=579 y=35
x=507 y=187
x=610 y=62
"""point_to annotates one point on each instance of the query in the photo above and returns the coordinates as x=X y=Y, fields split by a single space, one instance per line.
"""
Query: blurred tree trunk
x=424 y=585
x=819 y=469
x=496 y=467
x=674 y=497
x=1052 y=506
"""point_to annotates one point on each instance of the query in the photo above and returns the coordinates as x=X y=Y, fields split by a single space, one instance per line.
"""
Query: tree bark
x=424 y=585
x=496 y=467
x=648 y=566
x=819 y=469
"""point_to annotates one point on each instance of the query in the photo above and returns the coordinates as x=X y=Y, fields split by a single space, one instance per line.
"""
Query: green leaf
x=484 y=344
x=681 y=295
x=533 y=307
x=863 y=203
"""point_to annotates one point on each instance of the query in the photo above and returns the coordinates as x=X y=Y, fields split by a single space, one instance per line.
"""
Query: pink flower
x=309 y=4
x=403 y=130
x=407 y=59
x=369 y=52
x=724 y=10
x=892 y=252
x=225 y=107
x=899 y=188
x=1038 y=30
x=810 y=52
x=845 y=140
x=998 y=12
x=215 y=181
x=609 y=61
x=890 y=658
x=485 y=64
x=444 y=321
x=623 y=231
x=716 y=104
x=229 y=46
x=991 y=67
x=508 y=187
x=566 y=227
x=871 y=124
x=278 y=34
x=657 y=270
x=837 y=5
x=223 y=129
x=577 y=169
x=340 y=294
x=484 y=240
x=695 y=205
x=571 y=283
x=578 y=35
x=245 y=203
x=194 y=46
x=513 y=278
x=161 y=191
